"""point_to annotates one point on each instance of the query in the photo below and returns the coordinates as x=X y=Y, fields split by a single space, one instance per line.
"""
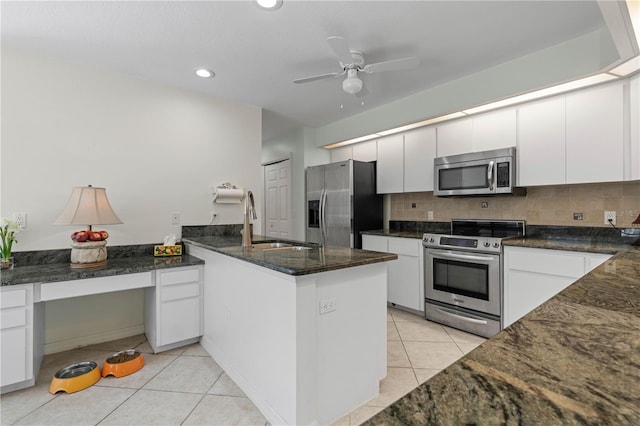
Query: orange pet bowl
x=75 y=377
x=123 y=363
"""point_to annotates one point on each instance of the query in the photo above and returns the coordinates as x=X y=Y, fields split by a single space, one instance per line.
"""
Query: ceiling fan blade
x=316 y=77
x=393 y=65
x=341 y=49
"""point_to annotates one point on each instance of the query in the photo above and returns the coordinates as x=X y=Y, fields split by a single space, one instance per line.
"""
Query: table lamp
x=88 y=206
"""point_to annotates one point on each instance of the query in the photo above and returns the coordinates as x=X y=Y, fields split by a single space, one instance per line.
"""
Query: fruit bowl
x=75 y=377
x=123 y=363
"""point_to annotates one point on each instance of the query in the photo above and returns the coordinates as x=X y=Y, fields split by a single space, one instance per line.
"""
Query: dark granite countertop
x=573 y=360
x=316 y=259
x=51 y=266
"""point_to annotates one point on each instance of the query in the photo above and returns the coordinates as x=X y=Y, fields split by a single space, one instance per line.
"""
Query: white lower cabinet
x=404 y=281
x=16 y=335
x=174 y=311
x=532 y=276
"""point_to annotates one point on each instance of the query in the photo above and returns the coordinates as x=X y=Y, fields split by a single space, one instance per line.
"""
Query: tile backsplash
x=543 y=205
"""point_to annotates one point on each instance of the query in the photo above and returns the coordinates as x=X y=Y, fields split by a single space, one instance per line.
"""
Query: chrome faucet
x=249 y=210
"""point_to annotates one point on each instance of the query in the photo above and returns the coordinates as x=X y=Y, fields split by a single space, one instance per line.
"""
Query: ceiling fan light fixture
x=352 y=84
x=204 y=73
x=269 y=4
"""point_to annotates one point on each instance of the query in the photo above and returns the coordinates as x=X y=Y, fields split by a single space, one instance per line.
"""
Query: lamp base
x=89 y=254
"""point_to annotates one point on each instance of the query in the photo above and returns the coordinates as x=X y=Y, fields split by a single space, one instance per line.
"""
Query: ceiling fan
x=352 y=63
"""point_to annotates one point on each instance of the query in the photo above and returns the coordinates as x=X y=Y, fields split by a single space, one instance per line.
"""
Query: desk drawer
x=180 y=291
x=85 y=287
x=13 y=298
x=15 y=317
x=177 y=277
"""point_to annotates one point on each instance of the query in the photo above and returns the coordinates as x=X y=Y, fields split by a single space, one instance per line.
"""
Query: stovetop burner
x=476 y=234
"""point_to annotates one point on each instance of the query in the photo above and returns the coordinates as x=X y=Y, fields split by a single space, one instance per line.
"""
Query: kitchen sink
x=279 y=247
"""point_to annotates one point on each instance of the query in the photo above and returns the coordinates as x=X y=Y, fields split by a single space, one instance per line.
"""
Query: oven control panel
x=487 y=244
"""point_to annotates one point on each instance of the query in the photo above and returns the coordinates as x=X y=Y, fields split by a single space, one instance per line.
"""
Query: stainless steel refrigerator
x=342 y=202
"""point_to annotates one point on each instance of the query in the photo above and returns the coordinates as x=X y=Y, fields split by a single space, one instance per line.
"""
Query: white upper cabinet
x=365 y=151
x=633 y=167
x=341 y=154
x=390 y=166
x=541 y=143
x=494 y=130
x=595 y=135
x=455 y=138
x=419 y=152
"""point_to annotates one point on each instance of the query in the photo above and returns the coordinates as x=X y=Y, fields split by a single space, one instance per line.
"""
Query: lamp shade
x=88 y=205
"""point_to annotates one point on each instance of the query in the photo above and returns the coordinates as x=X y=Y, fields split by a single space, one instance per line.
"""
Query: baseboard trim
x=78 y=342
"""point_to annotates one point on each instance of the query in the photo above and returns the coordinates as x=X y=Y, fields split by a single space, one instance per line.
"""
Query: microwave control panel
x=503 y=175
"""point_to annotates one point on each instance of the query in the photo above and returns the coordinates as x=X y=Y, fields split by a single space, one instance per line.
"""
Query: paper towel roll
x=224 y=195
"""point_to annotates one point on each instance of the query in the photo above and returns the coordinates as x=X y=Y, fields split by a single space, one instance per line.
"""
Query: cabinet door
x=595 y=135
x=541 y=143
x=343 y=153
x=179 y=320
x=365 y=151
x=390 y=166
x=419 y=152
x=14 y=356
x=633 y=172
x=374 y=243
x=494 y=130
x=403 y=287
x=455 y=138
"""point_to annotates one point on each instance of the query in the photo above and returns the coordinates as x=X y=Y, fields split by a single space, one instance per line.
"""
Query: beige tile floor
x=186 y=387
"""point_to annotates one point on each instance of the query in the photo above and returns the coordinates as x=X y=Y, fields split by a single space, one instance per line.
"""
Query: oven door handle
x=451 y=255
x=461 y=317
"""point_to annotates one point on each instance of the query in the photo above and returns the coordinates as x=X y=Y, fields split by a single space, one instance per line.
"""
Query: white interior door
x=277 y=181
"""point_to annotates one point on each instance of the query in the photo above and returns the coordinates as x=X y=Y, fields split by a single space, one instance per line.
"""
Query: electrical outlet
x=577 y=216
x=413 y=205
x=20 y=219
x=327 y=305
x=484 y=204
x=609 y=217
x=430 y=215
x=175 y=218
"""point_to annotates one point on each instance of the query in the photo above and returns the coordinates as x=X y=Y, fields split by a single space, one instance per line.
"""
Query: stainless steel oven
x=463 y=274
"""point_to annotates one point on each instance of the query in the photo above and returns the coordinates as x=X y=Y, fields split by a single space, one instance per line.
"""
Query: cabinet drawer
x=13 y=318
x=405 y=246
x=561 y=264
x=184 y=291
x=176 y=277
x=13 y=298
x=374 y=243
x=84 y=287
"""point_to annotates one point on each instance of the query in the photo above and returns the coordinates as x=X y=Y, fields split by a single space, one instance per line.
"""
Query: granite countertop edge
x=315 y=260
x=56 y=272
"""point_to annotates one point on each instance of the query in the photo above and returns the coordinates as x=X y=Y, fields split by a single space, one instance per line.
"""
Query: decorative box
x=162 y=250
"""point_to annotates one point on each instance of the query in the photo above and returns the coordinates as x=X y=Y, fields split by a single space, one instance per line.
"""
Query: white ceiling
x=256 y=54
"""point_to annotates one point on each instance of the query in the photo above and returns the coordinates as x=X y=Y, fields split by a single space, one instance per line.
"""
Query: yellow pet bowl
x=123 y=363
x=75 y=377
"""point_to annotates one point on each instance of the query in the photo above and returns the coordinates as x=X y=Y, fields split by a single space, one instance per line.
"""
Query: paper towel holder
x=228 y=194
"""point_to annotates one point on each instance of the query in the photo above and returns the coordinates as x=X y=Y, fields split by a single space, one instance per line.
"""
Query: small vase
x=6 y=263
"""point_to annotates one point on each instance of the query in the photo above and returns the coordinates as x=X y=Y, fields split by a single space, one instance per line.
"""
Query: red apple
x=104 y=234
x=82 y=236
x=74 y=235
x=95 y=236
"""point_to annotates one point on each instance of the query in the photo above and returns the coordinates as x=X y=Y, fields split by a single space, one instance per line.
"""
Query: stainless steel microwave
x=477 y=173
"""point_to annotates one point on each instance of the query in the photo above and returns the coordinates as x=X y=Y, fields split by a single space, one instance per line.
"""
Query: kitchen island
x=573 y=360
x=302 y=332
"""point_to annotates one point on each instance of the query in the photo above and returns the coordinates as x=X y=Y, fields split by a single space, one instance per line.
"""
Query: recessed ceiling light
x=204 y=73
x=270 y=4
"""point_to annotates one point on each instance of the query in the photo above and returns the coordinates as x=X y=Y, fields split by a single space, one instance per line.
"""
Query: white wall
x=156 y=149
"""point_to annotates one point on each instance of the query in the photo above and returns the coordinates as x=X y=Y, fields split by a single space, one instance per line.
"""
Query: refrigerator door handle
x=323 y=200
